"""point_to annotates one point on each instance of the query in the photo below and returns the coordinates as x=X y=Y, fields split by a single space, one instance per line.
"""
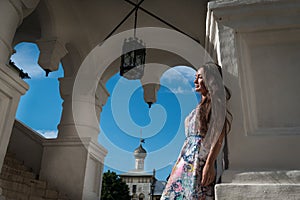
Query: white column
x=11 y=86
x=74 y=161
x=86 y=124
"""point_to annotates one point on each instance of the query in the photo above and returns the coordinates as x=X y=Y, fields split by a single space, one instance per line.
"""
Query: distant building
x=140 y=182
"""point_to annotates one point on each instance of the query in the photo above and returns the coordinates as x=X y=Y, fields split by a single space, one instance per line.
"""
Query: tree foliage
x=113 y=188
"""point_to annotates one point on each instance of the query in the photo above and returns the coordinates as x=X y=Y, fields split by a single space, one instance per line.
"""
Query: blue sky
x=162 y=125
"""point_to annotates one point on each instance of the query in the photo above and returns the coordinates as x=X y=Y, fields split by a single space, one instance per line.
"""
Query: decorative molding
x=96 y=150
x=13 y=80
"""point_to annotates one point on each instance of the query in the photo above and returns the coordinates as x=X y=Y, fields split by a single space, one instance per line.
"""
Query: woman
x=194 y=175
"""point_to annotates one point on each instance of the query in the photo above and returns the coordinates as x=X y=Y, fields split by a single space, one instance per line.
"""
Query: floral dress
x=184 y=181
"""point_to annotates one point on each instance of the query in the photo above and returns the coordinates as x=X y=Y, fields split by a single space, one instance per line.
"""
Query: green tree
x=113 y=188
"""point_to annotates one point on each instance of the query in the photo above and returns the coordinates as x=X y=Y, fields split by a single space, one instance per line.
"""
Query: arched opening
x=120 y=131
x=40 y=108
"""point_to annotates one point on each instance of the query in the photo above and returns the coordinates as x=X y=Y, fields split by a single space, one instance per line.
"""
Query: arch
x=105 y=55
x=100 y=60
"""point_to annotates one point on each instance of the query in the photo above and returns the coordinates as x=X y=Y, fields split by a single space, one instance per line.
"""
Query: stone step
x=11 y=187
x=266 y=177
x=12 y=162
x=35 y=183
x=20 y=172
x=49 y=195
x=19 y=183
x=14 y=195
x=234 y=191
x=20 y=179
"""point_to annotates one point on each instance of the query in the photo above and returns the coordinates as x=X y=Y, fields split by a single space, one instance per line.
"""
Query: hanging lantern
x=134 y=53
x=133 y=62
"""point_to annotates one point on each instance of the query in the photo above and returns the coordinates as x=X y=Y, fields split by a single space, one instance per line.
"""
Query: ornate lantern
x=133 y=62
x=134 y=53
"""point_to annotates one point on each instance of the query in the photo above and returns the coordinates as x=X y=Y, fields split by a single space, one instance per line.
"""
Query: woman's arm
x=208 y=173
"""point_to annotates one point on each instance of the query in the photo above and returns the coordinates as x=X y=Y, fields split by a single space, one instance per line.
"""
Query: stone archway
x=59 y=38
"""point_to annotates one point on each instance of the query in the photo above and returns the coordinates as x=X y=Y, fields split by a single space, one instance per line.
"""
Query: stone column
x=86 y=123
x=11 y=86
x=74 y=161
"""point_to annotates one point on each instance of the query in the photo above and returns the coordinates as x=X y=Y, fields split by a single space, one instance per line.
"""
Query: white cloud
x=48 y=133
x=186 y=71
x=181 y=74
x=180 y=90
x=179 y=80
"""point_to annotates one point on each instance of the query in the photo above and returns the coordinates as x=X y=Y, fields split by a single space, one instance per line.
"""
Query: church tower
x=142 y=185
x=140 y=154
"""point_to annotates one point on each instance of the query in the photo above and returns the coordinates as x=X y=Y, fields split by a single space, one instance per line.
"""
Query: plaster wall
x=93 y=184
x=269 y=132
x=11 y=88
x=27 y=146
x=257 y=44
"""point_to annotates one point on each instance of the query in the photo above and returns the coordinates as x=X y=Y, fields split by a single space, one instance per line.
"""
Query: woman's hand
x=208 y=174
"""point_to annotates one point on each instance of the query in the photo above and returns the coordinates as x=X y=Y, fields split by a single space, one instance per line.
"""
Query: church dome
x=140 y=151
